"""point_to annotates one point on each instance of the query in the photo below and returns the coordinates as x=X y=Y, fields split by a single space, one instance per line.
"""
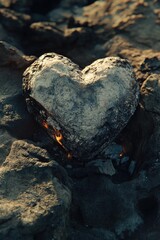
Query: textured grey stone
x=89 y=107
x=150 y=95
x=13 y=63
x=92 y=234
x=11 y=56
x=34 y=198
x=150 y=92
x=6 y=141
x=13 y=112
x=104 y=204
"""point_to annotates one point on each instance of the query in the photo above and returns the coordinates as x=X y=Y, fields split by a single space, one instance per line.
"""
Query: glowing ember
x=45 y=125
x=69 y=156
x=124 y=151
x=58 y=136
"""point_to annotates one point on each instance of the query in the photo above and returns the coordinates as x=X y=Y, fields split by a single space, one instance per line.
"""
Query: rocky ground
x=44 y=195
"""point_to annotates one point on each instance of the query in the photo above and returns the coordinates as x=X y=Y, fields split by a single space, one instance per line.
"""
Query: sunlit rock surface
x=34 y=198
x=88 y=107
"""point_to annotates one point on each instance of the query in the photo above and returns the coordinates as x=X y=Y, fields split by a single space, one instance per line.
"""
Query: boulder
x=14 y=21
x=12 y=57
x=83 y=110
x=13 y=113
x=150 y=94
x=34 y=197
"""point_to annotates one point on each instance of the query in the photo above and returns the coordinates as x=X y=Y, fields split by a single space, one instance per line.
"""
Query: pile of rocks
x=45 y=196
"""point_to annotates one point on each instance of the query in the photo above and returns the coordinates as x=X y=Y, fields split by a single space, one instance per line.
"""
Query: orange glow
x=69 y=156
x=45 y=125
x=58 y=136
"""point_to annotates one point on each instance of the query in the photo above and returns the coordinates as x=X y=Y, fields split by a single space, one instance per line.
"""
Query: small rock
x=112 y=151
x=101 y=166
x=150 y=64
x=150 y=92
x=12 y=57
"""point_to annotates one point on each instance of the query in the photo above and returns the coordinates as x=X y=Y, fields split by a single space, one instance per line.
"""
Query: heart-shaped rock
x=88 y=108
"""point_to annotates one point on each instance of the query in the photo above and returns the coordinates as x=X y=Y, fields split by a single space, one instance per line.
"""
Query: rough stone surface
x=13 y=112
x=94 y=198
x=136 y=205
x=90 y=29
x=92 y=234
x=46 y=34
x=15 y=118
x=6 y=141
x=13 y=63
x=88 y=107
x=7 y=37
x=150 y=92
x=14 y=21
x=34 y=203
x=11 y=56
x=39 y=6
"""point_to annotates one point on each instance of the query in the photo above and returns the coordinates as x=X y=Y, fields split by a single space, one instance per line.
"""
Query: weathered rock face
x=104 y=206
x=94 y=198
x=34 y=197
x=88 y=107
x=5 y=143
x=13 y=112
x=93 y=234
x=50 y=34
x=128 y=209
x=40 y=6
x=150 y=94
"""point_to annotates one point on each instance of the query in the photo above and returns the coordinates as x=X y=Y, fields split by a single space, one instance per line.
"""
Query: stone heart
x=88 y=107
